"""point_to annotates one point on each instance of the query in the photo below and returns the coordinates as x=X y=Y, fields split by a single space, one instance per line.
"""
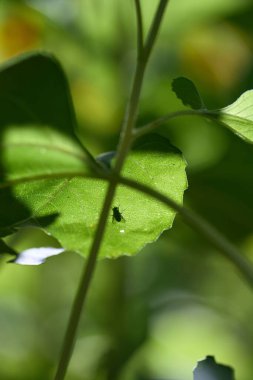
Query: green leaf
x=42 y=160
x=239 y=116
x=187 y=92
x=77 y=201
x=45 y=179
x=154 y=162
x=34 y=90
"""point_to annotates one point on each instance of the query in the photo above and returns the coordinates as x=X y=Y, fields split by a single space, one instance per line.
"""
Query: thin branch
x=132 y=107
x=150 y=127
x=202 y=226
x=154 y=28
x=194 y=220
x=139 y=28
x=77 y=307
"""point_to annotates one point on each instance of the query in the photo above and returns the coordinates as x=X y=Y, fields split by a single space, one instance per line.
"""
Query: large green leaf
x=45 y=179
x=154 y=162
x=77 y=201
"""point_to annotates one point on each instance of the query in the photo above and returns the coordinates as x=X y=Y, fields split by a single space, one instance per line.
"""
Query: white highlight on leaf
x=36 y=256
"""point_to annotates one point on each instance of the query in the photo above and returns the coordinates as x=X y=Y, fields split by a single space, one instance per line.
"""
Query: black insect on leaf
x=117 y=215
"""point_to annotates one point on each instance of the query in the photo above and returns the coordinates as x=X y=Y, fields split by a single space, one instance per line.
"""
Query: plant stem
x=202 y=226
x=126 y=135
x=139 y=28
x=150 y=127
x=85 y=281
x=124 y=145
x=153 y=32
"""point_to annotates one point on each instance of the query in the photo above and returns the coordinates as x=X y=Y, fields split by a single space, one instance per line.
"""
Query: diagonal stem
x=139 y=28
x=218 y=240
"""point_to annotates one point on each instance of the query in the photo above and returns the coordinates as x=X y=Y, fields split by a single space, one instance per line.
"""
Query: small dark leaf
x=208 y=369
x=187 y=92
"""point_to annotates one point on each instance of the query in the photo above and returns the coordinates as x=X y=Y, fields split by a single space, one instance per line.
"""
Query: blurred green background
x=154 y=315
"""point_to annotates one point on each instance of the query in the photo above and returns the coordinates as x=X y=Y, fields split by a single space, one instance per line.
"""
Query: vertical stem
x=139 y=28
x=124 y=145
x=126 y=136
x=155 y=28
x=77 y=307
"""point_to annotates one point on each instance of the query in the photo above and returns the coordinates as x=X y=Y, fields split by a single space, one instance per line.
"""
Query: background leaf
x=187 y=92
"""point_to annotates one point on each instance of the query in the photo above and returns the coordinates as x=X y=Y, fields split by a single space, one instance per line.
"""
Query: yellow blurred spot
x=17 y=34
x=218 y=55
x=94 y=108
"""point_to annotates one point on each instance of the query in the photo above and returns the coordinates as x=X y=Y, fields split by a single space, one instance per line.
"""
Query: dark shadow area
x=32 y=90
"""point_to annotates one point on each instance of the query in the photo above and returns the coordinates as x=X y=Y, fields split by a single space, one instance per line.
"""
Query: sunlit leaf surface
x=239 y=116
x=45 y=176
x=76 y=201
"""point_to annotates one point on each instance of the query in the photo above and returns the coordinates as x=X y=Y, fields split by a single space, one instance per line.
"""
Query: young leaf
x=187 y=92
x=239 y=116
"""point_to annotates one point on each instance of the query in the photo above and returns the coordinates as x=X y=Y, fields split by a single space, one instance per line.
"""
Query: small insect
x=117 y=215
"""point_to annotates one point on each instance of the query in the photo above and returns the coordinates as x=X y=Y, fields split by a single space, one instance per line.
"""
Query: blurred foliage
x=152 y=316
